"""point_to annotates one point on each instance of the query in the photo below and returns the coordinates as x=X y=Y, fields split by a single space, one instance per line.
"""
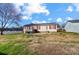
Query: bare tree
x=8 y=15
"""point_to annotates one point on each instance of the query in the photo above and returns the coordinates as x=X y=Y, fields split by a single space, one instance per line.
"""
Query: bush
x=61 y=30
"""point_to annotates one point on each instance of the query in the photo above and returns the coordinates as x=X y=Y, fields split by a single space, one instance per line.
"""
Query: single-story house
x=42 y=27
x=72 y=26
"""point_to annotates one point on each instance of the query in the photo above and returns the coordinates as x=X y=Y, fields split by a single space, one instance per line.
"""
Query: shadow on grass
x=2 y=53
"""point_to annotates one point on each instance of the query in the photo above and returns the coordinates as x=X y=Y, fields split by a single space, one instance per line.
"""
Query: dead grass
x=56 y=43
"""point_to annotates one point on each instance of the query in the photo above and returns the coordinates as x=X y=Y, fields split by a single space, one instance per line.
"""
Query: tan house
x=43 y=27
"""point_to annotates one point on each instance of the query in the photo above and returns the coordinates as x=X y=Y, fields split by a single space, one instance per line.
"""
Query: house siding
x=41 y=28
x=72 y=27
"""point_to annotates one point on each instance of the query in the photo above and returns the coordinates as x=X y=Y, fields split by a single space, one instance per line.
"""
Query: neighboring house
x=72 y=26
x=43 y=27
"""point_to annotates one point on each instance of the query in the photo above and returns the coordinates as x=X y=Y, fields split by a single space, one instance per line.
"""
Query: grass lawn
x=55 y=43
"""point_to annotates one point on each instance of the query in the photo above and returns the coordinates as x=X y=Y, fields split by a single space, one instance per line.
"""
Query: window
x=38 y=27
x=32 y=27
x=28 y=27
x=50 y=26
x=54 y=27
x=46 y=27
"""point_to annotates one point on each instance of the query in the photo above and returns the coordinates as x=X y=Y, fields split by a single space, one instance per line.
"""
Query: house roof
x=74 y=21
x=40 y=24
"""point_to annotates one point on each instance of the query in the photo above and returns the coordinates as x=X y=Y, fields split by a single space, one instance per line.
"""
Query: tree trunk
x=2 y=31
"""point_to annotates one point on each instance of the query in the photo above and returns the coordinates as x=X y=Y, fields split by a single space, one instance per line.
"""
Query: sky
x=47 y=12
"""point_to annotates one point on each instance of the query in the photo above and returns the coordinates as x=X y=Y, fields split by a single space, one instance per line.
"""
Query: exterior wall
x=41 y=28
x=72 y=27
x=24 y=29
x=46 y=28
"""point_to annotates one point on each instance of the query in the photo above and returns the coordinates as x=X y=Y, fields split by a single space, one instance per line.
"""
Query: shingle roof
x=40 y=24
x=74 y=21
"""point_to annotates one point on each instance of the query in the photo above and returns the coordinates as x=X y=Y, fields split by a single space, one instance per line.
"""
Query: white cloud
x=49 y=19
x=77 y=6
x=44 y=22
x=28 y=1
x=70 y=9
x=36 y=8
x=17 y=6
x=37 y=22
x=32 y=8
x=25 y=17
x=69 y=18
x=41 y=1
x=59 y=19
